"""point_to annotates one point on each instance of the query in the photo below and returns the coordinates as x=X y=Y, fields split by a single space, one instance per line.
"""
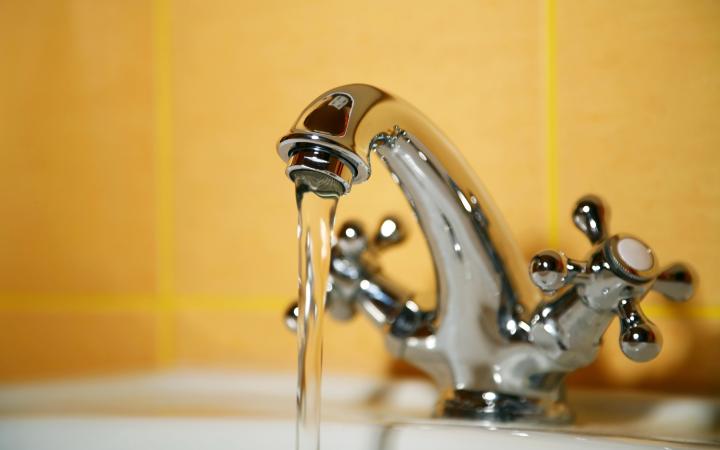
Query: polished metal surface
x=325 y=173
x=490 y=356
x=619 y=272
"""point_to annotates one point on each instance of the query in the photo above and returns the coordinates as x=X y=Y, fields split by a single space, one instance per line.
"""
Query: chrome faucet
x=491 y=357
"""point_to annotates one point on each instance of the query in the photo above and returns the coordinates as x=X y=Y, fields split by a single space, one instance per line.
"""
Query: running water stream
x=316 y=216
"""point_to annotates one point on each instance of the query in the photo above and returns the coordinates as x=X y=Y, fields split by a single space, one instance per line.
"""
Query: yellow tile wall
x=638 y=90
x=145 y=220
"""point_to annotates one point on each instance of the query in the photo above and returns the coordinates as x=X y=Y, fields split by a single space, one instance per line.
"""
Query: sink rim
x=381 y=402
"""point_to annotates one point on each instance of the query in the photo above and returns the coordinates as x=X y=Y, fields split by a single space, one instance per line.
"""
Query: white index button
x=635 y=254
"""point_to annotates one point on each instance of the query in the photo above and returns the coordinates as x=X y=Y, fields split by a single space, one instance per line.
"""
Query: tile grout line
x=230 y=303
x=138 y=303
x=164 y=200
x=551 y=144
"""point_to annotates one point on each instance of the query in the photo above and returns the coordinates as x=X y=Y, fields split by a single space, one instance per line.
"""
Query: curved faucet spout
x=480 y=273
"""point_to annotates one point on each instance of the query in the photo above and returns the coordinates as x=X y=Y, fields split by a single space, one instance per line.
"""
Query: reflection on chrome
x=491 y=356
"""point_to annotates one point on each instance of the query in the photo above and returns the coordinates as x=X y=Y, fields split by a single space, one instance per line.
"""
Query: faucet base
x=498 y=407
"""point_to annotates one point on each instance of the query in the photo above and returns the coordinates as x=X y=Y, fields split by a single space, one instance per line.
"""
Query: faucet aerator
x=320 y=171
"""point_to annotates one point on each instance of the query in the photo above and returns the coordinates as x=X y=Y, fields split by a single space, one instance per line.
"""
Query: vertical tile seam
x=551 y=122
x=164 y=201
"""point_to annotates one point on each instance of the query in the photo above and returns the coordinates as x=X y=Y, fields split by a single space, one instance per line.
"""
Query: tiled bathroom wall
x=146 y=222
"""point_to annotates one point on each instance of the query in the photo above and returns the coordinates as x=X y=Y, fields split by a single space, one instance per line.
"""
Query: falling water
x=316 y=215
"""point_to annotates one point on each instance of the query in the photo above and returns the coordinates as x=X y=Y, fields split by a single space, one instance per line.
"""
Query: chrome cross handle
x=358 y=283
x=617 y=274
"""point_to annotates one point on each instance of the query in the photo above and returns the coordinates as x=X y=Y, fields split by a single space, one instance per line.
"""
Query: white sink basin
x=245 y=411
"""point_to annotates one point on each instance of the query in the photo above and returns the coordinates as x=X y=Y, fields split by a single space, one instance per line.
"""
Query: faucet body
x=490 y=356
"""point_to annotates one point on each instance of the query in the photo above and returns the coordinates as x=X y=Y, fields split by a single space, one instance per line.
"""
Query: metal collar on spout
x=324 y=172
x=329 y=128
